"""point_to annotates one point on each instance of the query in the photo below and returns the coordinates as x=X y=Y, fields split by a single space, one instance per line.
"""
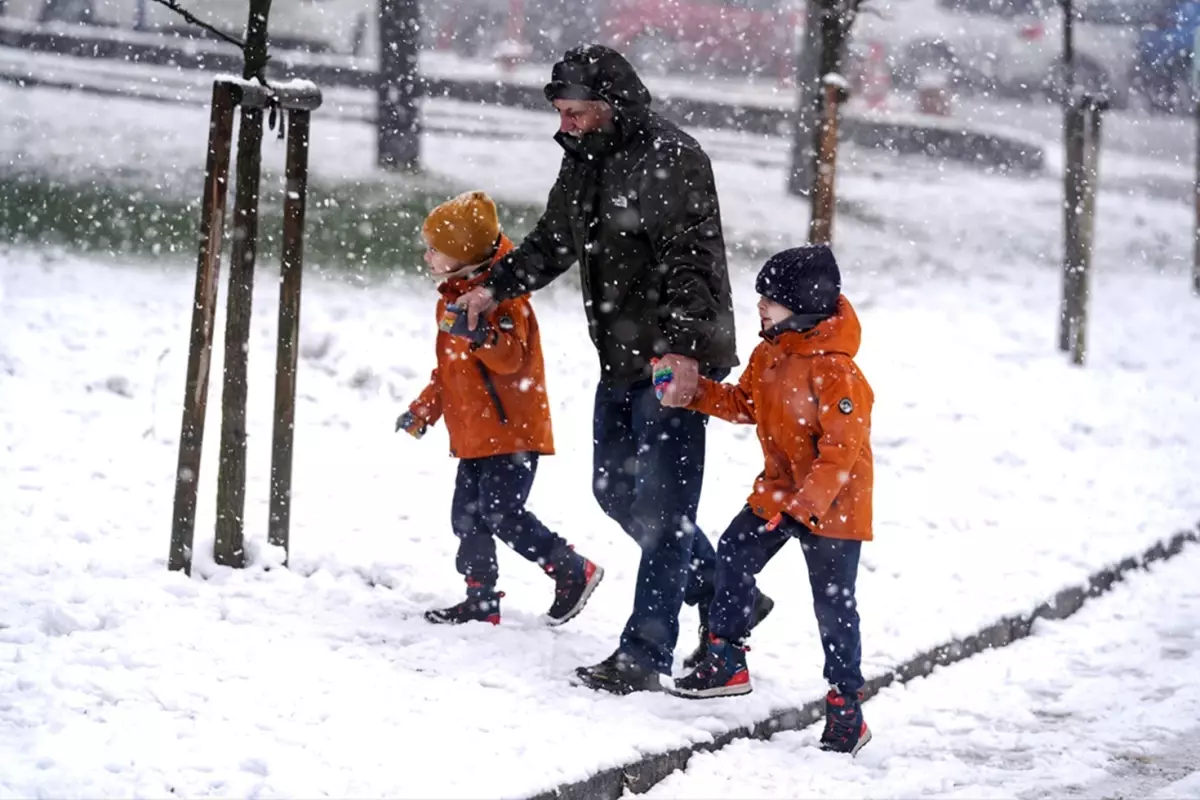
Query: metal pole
x=1196 y=231
x=295 y=199
x=1074 y=134
x=208 y=268
x=1087 y=220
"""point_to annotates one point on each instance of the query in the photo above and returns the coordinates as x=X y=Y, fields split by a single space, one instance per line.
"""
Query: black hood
x=596 y=72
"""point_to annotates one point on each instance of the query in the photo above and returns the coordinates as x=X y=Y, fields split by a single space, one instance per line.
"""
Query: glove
x=777 y=520
x=662 y=377
x=454 y=322
x=413 y=425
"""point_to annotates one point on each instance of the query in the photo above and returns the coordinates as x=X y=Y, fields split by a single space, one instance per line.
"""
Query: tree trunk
x=808 y=104
x=398 y=121
x=228 y=548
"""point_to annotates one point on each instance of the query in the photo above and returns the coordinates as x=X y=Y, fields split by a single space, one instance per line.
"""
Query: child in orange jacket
x=812 y=408
x=490 y=387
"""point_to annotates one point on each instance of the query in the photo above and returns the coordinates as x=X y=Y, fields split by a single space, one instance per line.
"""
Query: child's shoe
x=845 y=729
x=722 y=673
x=482 y=605
x=575 y=578
x=762 y=607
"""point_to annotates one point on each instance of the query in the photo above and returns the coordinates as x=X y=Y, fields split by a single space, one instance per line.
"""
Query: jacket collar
x=461 y=284
x=804 y=334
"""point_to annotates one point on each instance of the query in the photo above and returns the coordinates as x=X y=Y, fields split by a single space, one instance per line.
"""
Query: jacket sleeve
x=428 y=405
x=726 y=401
x=844 y=412
x=507 y=345
x=547 y=252
x=681 y=216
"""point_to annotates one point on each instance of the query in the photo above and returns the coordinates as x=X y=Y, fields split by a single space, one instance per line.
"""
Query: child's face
x=441 y=264
x=771 y=313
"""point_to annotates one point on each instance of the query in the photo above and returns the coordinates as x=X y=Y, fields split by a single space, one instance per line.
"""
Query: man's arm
x=547 y=252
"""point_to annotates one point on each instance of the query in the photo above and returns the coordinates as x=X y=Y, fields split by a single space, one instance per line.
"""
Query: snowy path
x=1103 y=705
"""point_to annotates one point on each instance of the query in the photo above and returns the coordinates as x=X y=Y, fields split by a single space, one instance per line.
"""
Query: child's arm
x=844 y=410
x=727 y=401
x=428 y=405
x=506 y=345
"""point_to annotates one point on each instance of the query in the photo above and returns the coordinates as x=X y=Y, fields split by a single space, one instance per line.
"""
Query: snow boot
x=575 y=578
x=763 y=606
x=618 y=674
x=722 y=673
x=482 y=605
x=845 y=729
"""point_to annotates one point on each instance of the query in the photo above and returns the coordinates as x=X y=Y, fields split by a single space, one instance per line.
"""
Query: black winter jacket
x=637 y=208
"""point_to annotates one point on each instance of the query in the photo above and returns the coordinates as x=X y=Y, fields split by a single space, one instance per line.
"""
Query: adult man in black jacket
x=635 y=204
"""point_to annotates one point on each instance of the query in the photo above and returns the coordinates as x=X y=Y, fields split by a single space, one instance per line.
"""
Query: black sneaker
x=484 y=608
x=619 y=674
x=845 y=729
x=763 y=606
x=573 y=585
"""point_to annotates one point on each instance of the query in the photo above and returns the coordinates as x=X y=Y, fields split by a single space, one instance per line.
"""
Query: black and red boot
x=845 y=729
x=575 y=578
x=722 y=673
x=482 y=605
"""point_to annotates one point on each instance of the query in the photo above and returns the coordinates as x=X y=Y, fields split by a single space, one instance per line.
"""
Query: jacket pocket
x=492 y=393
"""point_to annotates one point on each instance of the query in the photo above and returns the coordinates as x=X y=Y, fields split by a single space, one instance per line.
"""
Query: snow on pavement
x=1104 y=704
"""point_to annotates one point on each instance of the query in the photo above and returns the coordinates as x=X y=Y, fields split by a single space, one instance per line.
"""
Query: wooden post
x=1073 y=174
x=1196 y=231
x=1093 y=109
x=397 y=118
x=807 y=121
x=208 y=269
x=822 y=199
x=289 y=330
x=228 y=548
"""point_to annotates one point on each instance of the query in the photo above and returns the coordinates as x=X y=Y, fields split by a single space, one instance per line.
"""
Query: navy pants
x=489 y=504
x=648 y=466
x=747 y=546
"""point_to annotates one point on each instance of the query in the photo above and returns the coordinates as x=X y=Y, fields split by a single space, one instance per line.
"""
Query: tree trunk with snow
x=228 y=548
x=398 y=122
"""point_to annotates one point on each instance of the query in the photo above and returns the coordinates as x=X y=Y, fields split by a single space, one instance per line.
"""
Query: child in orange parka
x=490 y=387
x=812 y=407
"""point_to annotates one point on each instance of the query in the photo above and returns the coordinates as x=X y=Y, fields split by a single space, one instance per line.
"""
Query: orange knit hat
x=464 y=228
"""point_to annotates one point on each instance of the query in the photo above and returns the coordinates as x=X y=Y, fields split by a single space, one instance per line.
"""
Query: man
x=636 y=205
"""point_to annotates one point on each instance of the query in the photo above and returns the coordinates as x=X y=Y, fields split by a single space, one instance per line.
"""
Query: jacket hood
x=841 y=333
x=596 y=72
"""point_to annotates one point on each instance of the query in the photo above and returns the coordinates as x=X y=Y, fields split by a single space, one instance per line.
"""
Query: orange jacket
x=812 y=407
x=493 y=396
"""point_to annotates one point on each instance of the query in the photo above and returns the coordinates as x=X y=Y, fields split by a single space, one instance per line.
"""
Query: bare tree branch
x=190 y=17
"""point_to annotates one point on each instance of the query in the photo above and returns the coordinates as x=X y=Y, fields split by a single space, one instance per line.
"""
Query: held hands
x=455 y=323
x=411 y=424
x=477 y=302
x=676 y=380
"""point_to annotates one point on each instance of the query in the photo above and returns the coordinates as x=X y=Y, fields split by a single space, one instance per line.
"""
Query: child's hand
x=412 y=425
x=454 y=322
x=662 y=377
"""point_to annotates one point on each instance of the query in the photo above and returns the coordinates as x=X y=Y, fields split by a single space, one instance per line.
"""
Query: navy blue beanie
x=804 y=280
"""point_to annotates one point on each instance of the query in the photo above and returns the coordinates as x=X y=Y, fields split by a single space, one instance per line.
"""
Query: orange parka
x=493 y=395
x=812 y=407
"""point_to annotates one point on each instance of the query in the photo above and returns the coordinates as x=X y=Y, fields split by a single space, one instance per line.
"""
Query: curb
x=644 y=773
x=988 y=149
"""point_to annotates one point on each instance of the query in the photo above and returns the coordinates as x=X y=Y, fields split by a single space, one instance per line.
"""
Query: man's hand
x=478 y=302
x=685 y=380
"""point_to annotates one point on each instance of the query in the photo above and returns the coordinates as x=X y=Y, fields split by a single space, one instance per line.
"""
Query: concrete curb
x=641 y=775
x=910 y=136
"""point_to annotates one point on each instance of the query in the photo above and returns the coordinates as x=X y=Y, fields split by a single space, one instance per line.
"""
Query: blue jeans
x=747 y=546
x=489 y=504
x=648 y=466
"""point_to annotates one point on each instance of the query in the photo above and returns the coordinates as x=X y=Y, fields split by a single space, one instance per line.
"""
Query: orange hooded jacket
x=812 y=407
x=492 y=396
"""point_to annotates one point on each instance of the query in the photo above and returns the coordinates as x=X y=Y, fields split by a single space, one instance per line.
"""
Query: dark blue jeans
x=489 y=504
x=747 y=546
x=648 y=466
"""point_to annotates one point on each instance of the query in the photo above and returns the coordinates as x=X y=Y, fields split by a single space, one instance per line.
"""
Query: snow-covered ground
x=1105 y=704
x=1002 y=474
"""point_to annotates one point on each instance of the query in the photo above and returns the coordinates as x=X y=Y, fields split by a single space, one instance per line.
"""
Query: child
x=812 y=407
x=489 y=386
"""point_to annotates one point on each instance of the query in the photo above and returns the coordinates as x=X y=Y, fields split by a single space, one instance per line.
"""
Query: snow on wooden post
x=287 y=349
x=397 y=119
x=208 y=268
x=821 y=197
x=228 y=549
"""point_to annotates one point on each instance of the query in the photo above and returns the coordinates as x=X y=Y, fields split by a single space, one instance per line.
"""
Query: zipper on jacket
x=491 y=390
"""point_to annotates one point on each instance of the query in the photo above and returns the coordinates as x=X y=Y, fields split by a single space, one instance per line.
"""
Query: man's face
x=577 y=117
